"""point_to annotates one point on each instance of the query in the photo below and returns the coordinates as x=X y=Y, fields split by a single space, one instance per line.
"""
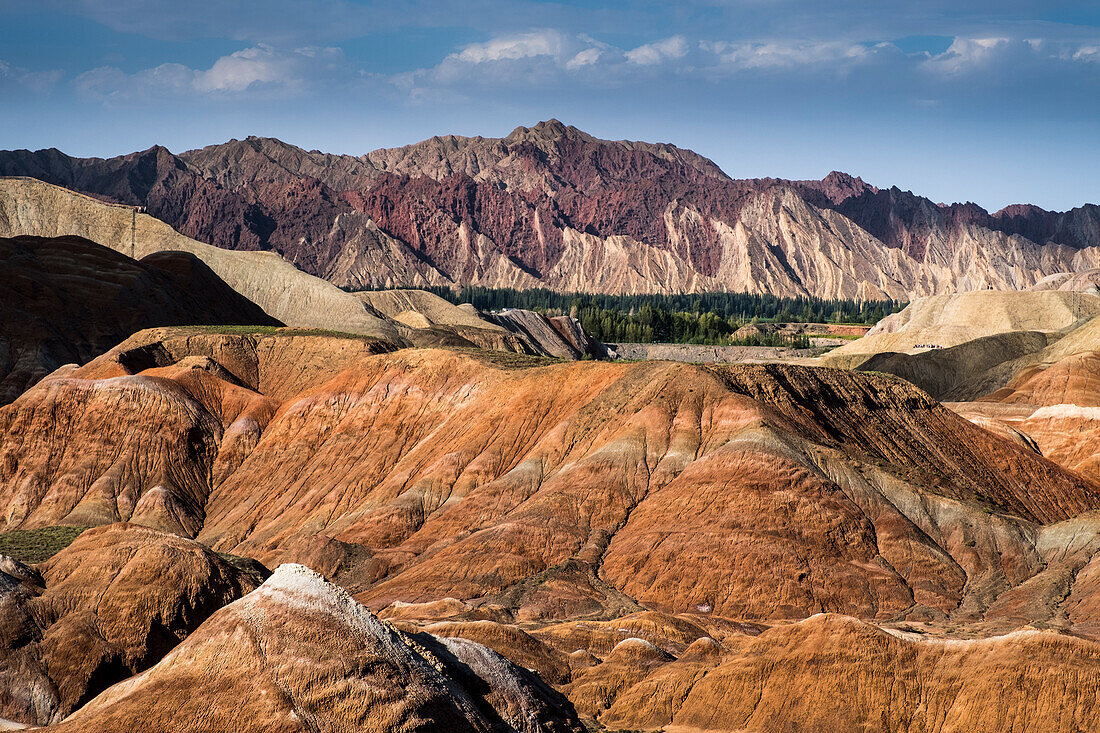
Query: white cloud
x=792 y=54
x=666 y=49
x=536 y=57
x=259 y=70
x=966 y=53
x=1009 y=58
x=542 y=57
x=1087 y=53
x=35 y=81
x=510 y=48
x=971 y=71
x=264 y=65
x=587 y=57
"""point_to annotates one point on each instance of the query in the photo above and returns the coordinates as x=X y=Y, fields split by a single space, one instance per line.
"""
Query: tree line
x=702 y=318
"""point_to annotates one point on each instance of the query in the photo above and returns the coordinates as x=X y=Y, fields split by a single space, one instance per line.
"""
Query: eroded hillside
x=656 y=540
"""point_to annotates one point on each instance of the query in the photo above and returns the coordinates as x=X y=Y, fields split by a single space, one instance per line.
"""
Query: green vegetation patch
x=741 y=307
x=509 y=359
x=700 y=318
x=276 y=331
x=37 y=545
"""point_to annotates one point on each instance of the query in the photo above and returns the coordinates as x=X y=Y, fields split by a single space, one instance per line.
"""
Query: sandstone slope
x=835 y=673
x=298 y=654
x=31 y=207
x=654 y=539
x=154 y=442
x=1051 y=395
x=110 y=605
x=944 y=321
x=67 y=300
x=691 y=672
x=544 y=490
x=1038 y=387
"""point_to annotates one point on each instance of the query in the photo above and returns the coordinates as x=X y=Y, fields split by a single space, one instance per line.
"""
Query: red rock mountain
x=554 y=207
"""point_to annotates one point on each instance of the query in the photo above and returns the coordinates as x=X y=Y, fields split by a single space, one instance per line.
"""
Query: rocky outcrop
x=560 y=336
x=434 y=321
x=67 y=300
x=110 y=605
x=298 y=654
x=550 y=206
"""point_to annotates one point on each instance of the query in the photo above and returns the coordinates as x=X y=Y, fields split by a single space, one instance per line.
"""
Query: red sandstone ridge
x=543 y=491
x=669 y=545
x=554 y=207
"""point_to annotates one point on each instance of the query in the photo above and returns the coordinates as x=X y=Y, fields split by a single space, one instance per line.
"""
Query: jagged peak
x=264 y=142
x=547 y=131
x=840 y=178
x=156 y=151
x=255 y=143
x=1021 y=210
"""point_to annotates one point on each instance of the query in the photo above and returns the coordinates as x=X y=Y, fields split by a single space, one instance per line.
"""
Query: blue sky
x=992 y=102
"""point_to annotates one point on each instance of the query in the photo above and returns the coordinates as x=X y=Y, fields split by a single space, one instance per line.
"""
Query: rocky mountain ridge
x=83 y=275
x=550 y=206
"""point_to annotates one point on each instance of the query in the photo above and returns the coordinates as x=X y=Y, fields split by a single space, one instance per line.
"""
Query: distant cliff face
x=550 y=206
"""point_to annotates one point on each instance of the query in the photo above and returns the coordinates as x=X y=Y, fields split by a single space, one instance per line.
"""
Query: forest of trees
x=738 y=308
x=649 y=325
x=705 y=318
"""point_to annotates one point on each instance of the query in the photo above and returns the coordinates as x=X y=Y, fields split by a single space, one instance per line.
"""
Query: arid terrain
x=234 y=496
x=551 y=206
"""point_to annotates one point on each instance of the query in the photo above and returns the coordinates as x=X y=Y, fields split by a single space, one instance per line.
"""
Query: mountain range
x=551 y=206
x=236 y=497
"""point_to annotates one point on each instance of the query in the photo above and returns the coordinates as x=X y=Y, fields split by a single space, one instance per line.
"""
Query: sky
x=957 y=100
